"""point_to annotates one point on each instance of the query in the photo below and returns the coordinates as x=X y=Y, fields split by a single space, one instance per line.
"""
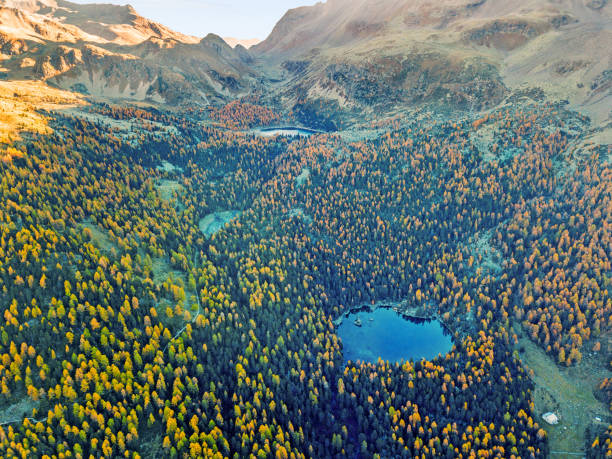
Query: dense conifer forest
x=128 y=332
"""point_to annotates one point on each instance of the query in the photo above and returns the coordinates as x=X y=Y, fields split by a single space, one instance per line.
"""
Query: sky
x=226 y=18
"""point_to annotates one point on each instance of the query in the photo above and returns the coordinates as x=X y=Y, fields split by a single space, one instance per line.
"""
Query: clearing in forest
x=568 y=392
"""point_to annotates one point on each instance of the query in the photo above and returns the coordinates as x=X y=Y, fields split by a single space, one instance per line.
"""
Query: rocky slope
x=111 y=52
x=352 y=59
x=378 y=55
x=102 y=23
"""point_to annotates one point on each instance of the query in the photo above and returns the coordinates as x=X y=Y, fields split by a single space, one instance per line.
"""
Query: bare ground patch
x=213 y=223
x=484 y=140
x=569 y=392
x=486 y=257
x=99 y=237
x=168 y=188
x=301 y=179
x=17 y=411
x=162 y=271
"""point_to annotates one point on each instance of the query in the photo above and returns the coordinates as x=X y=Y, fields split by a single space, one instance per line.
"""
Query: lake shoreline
x=406 y=311
x=385 y=332
x=290 y=131
x=401 y=307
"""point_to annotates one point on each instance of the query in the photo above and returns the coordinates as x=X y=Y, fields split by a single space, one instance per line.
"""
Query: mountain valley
x=187 y=222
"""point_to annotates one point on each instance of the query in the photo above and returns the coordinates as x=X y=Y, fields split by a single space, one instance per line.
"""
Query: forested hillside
x=128 y=332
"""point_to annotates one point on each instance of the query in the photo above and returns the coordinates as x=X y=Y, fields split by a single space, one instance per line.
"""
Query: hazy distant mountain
x=111 y=51
x=246 y=42
x=466 y=54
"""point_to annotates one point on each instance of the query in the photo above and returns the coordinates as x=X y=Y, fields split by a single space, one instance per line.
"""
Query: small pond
x=287 y=131
x=213 y=223
x=384 y=333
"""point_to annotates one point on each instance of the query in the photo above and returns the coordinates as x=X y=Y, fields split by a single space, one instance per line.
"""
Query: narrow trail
x=566 y=453
x=15 y=421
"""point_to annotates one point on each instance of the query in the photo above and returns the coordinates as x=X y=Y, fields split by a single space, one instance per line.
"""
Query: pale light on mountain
x=243 y=19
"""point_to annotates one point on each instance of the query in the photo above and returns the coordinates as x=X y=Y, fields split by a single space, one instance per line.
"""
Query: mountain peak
x=245 y=42
x=100 y=23
x=111 y=51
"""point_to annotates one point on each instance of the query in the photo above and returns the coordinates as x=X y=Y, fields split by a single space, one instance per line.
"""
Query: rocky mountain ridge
x=377 y=56
x=110 y=51
x=335 y=60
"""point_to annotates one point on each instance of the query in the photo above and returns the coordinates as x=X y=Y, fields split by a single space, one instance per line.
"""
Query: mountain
x=246 y=42
x=110 y=51
x=342 y=59
x=373 y=55
x=101 y=23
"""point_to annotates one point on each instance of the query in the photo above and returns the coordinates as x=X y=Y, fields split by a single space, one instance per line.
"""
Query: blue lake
x=386 y=334
x=286 y=131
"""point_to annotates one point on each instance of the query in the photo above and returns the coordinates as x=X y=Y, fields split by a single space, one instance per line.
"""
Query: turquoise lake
x=386 y=334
